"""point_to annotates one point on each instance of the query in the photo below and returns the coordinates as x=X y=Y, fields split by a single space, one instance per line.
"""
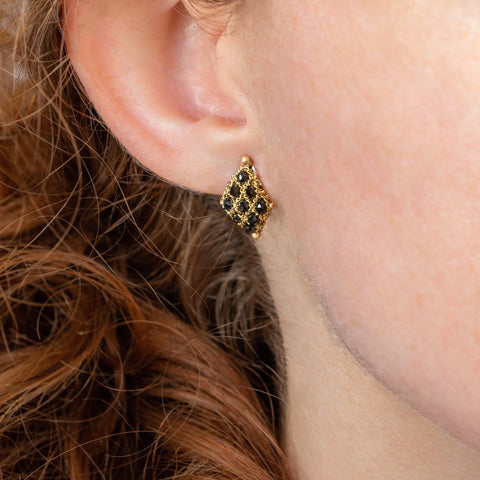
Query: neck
x=340 y=422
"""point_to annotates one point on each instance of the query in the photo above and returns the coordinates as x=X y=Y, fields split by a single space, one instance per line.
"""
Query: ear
x=165 y=87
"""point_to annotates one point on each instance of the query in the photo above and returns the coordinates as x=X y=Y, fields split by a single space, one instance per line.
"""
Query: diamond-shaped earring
x=245 y=200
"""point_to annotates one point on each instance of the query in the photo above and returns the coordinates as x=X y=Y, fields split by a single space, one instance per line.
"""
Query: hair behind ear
x=135 y=329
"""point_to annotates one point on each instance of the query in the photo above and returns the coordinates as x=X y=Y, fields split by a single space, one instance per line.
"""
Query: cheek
x=402 y=288
x=374 y=126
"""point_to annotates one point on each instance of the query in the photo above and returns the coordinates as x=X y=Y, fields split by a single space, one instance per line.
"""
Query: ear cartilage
x=245 y=200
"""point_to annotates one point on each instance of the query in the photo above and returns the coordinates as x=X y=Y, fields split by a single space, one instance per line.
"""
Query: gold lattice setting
x=245 y=200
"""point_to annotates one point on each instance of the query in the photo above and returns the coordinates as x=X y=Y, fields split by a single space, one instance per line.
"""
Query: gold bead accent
x=245 y=200
x=246 y=161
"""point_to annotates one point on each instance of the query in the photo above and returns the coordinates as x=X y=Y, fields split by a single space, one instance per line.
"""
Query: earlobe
x=153 y=76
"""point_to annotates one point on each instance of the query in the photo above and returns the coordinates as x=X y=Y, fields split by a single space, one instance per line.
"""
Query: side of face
x=372 y=153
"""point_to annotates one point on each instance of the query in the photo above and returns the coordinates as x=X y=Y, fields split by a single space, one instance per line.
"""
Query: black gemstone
x=236 y=218
x=261 y=207
x=242 y=176
x=250 y=192
x=253 y=220
x=243 y=206
x=235 y=190
x=249 y=228
x=227 y=204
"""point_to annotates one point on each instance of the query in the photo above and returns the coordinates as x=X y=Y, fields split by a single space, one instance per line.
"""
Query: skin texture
x=363 y=119
x=383 y=203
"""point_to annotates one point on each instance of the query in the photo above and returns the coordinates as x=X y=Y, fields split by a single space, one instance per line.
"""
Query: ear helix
x=245 y=200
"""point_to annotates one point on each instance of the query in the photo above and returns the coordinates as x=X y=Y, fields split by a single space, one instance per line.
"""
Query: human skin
x=376 y=143
x=372 y=151
x=363 y=120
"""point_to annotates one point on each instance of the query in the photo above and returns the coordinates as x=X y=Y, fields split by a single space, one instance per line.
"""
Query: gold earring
x=245 y=200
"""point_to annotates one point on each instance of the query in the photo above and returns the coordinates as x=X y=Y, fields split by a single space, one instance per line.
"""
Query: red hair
x=137 y=334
